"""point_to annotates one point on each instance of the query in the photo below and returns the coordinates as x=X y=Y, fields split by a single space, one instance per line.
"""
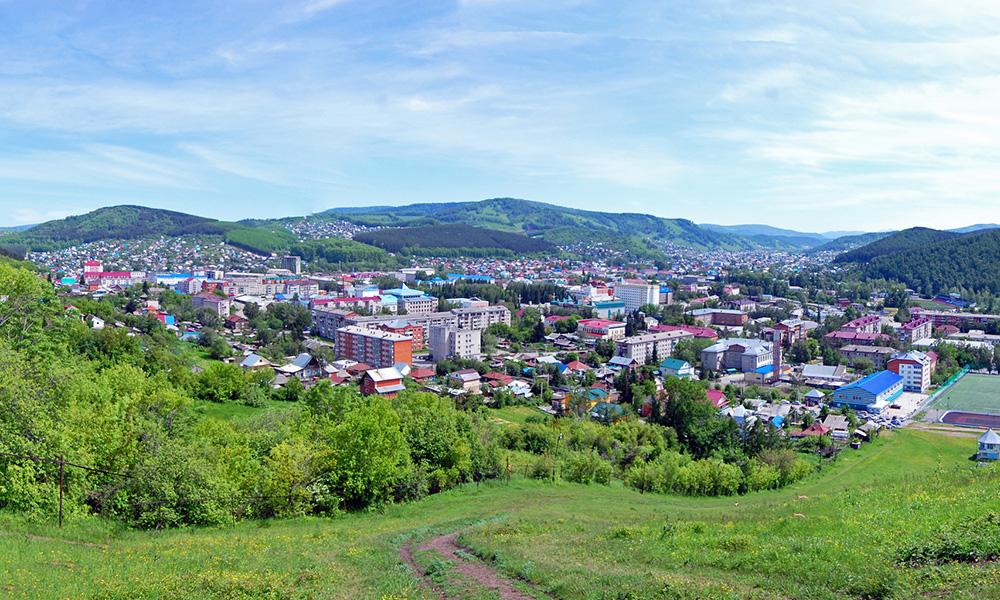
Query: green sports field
x=973 y=393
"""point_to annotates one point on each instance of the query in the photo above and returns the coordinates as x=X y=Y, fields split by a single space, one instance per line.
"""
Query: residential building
x=855 y=337
x=915 y=369
x=467 y=379
x=873 y=393
x=867 y=324
x=642 y=347
x=636 y=292
x=254 y=362
x=382 y=382
x=481 y=317
x=918 y=328
x=404 y=327
x=697 y=331
x=989 y=446
x=744 y=355
x=445 y=342
x=962 y=320
x=218 y=304
x=719 y=317
x=879 y=355
x=676 y=367
x=600 y=329
x=377 y=348
x=292 y=263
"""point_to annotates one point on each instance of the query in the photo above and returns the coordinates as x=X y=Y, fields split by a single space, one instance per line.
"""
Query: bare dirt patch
x=48 y=539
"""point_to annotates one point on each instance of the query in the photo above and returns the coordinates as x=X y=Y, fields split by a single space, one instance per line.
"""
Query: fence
x=947 y=385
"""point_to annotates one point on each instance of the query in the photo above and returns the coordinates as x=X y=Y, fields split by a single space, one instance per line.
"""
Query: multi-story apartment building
x=404 y=327
x=636 y=292
x=744 y=355
x=600 y=328
x=879 y=355
x=868 y=324
x=918 y=328
x=373 y=347
x=642 y=347
x=446 y=342
x=915 y=368
x=481 y=317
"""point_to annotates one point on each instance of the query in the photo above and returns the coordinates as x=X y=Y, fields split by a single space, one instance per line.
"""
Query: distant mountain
x=900 y=241
x=763 y=230
x=537 y=219
x=832 y=235
x=969 y=262
x=972 y=228
x=133 y=222
x=849 y=242
x=432 y=239
x=17 y=227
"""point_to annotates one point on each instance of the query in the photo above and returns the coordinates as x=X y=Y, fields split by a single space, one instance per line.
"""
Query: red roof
x=578 y=366
x=92 y=263
x=422 y=373
x=501 y=377
x=717 y=398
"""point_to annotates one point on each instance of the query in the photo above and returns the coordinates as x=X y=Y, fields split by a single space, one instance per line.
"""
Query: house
x=814 y=397
x=744 y=355
x=989 y=446
x=619 y=362
x=302 y=366
x=838 y=426
x=676 y=367
x=236 y=322
x=717 y=398
x=254 y=362
x=382 y=382
x=873 y=393
x=600 y=329
x=467 y=379
x=578 y=368
x=814 y=429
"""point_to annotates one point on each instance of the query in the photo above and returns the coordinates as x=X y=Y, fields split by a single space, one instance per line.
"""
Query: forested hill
x=133 y=222
x=453 y=236
x=536 y=219
x=850 y=242
x=901 y=241
x=969 y=262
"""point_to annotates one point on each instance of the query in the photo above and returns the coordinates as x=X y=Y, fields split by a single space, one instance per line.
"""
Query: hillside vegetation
x=530 y=218
x=901 y=241
x=903 y=518
x=850 y=242
x=452 y=236
x=970 y=262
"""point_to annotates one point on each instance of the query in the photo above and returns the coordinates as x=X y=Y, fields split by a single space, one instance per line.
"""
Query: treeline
x=125 y=407
x=527 y=293
x=455 y=236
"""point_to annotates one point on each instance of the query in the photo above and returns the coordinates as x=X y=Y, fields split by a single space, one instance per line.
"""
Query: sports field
x=973 y=393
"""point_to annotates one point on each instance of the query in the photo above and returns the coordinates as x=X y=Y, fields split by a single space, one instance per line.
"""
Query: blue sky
x=807 y=115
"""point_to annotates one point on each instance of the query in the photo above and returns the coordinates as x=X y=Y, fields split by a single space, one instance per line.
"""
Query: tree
x=251 y=310
x=28 y=302
x=369 y=452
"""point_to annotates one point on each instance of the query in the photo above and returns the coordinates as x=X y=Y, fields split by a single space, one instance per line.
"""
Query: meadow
x=905 y=516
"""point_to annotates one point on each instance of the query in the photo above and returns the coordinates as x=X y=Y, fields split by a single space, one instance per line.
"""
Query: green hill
x=133 y=222
x=452 y=236
x=901 y=241
x=969 y=262
x=537 y=218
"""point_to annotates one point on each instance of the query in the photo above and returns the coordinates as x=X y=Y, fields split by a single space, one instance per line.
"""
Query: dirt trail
x=484 y=576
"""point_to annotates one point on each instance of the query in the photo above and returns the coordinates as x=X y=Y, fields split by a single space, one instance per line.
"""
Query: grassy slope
x=573 y=541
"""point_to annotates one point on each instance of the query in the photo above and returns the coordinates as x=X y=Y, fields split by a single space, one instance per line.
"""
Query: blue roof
x=765 y=369
x=876 y=383
x=777 y=421
x=673 y=363
x=665 y=290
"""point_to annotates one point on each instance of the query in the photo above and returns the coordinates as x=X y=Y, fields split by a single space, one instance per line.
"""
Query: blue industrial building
x=873 y=393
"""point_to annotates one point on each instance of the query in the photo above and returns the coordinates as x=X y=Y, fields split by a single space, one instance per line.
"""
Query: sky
x=814 y=116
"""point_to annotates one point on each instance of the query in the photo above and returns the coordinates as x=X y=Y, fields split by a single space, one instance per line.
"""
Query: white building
x=641 y=347
x=636 y=292
x=445 y=342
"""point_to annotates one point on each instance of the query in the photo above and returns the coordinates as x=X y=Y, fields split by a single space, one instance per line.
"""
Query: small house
x=989 y=446
x=382 y=382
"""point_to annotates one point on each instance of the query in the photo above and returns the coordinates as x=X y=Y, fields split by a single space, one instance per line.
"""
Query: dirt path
x=478 y=572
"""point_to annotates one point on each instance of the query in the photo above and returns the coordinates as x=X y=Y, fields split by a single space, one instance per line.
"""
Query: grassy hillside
x=900 y=241
x=906 y=517
x=530 y=218
x=453 y=236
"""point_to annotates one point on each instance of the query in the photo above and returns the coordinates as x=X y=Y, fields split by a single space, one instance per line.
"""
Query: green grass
x=516 y=414
x=571 y=541
x=972 y=393
x=231 y=410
